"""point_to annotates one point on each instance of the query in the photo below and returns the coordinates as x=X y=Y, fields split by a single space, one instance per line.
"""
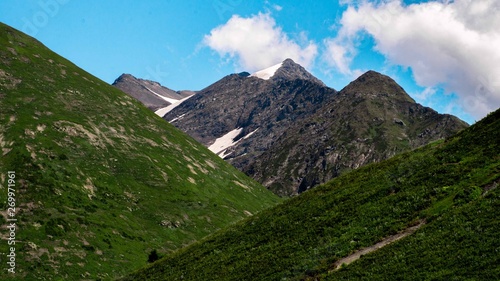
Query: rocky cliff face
x=150 y=93
x=289 y=131
x=289 y=70
x=260 y=109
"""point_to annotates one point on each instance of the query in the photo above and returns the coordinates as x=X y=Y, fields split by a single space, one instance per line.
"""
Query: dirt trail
x=356 y=255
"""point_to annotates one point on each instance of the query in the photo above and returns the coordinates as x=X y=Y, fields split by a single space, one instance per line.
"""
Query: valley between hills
x=265 y=176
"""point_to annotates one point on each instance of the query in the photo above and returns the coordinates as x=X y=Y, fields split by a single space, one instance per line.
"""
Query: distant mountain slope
x=100 y=180
x=150 y=93
x=260 y=109
x=449 y=187
x=290 y=132
x=370 y=120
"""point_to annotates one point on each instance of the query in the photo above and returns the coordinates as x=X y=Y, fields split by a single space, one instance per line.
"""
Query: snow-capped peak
x=268 y=72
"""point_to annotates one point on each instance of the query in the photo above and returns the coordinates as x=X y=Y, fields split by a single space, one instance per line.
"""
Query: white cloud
x=339 y=54
x=425 y=95
x=449 y=44
x=256 y=43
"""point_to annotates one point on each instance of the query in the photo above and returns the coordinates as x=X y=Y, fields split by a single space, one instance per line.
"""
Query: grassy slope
x=461 y=241
x=101 y=180
x=444 y=184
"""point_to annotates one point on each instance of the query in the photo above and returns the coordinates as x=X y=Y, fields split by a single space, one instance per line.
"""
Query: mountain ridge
x=291 y=111
x=286 y=70
x=375 y=83
x=253 y=94
x=152 y=94
x=369 y=120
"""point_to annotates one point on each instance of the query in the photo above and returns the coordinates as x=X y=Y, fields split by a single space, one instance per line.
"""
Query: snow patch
x=221 y=144
x=162 y=111
x=267 y=73
x=250 y=134
x=177 y=118
x=170 y=100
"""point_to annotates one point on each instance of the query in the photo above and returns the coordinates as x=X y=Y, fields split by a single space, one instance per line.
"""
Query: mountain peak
x=151 y=93
x=130 y=77
x=286 y=70
x=123 y=77
x=267 y=73
x=374 y=83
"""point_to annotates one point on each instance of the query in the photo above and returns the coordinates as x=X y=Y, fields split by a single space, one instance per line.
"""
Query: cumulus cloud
x=278 y=7
x=450 y=44
x=256 y=43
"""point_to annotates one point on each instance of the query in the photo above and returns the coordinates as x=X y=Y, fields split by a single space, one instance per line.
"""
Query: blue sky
x=434 y=49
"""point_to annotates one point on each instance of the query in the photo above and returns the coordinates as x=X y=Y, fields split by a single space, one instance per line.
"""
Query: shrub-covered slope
x=449 y=186
x=100 y=181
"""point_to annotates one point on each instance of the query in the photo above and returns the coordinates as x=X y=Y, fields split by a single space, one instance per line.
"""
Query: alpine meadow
x=101 y=181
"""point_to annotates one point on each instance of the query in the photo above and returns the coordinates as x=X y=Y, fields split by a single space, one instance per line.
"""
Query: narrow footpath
x=356 y=255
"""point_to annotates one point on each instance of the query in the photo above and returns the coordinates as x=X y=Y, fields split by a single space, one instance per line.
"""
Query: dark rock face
x=150 y=93
x=265 y=107
x=290 y=70
x=368 y=121
x=297 y=133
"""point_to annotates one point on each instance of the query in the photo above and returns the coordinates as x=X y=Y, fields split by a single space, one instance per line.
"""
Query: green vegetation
x=449 y=185
x=101 y=181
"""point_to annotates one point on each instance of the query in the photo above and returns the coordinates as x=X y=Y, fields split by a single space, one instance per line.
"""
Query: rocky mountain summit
x=256 y=109
x=285 y=128
x=150 y=93
x=286 y=70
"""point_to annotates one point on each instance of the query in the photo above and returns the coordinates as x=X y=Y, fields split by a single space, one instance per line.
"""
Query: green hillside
x=448 y=188
x=100 y=181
